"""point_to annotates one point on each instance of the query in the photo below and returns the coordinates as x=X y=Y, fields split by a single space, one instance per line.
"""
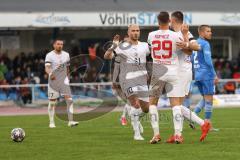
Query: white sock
x=51 y=111
x=135 y=114
x=187 y=113
x=70 y=109
x=125 y=110
x=128 y=109
x=177 y=120
x=154 y=119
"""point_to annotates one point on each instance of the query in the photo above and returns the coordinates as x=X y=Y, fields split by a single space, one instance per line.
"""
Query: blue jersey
x=202 y=62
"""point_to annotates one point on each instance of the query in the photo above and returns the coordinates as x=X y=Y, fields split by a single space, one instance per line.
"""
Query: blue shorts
x=206 y=87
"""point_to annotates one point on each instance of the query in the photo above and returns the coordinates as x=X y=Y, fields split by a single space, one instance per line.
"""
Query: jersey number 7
x=165 y=45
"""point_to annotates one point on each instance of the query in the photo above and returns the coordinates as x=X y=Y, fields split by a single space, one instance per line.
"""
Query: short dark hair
x=163 y=17
x=57 y=39
x=202 y=27
x=178 y=15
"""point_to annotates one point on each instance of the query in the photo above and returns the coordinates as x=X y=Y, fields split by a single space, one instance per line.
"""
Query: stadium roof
x=118 y=5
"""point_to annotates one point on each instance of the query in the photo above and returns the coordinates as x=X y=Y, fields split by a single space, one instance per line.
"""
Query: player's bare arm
x=194 y=46
x=184 y=44
x=189 y=46
x=185 y=31
x=48 y=70
x=109 y=53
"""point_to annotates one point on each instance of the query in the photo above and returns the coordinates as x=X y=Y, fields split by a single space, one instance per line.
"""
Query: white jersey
x=133 y=53
x=54 y=59
x=184 y=59
x=164 y=49
x=133 y=59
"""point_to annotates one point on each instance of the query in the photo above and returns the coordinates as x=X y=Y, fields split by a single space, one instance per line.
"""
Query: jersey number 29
x=165 y=45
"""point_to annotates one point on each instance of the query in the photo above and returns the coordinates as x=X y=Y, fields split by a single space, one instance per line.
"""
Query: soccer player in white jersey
x=116 y=88
x=133 y=78
x=185 y=68
x=56 y=66
x=166 y=46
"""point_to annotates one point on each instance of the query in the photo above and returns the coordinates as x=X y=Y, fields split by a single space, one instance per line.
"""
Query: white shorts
x=168 y=83
x=52 y=94
x=136 y=86
x=185 y=80
x=59 y=89
x=173 y=86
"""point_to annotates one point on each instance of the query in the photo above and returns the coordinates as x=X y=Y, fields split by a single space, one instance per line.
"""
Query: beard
x=135 y=37
x=58 y=49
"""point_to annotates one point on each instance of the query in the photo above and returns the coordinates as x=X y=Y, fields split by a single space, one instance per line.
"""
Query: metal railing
x=97 y=86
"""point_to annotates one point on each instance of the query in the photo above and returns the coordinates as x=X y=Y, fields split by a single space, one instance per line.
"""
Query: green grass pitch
x=104 y=138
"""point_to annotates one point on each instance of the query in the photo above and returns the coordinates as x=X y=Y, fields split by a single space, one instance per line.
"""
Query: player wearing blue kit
x=204 y=73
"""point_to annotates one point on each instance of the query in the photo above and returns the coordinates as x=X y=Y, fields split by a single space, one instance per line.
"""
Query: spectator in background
x=44 y=79
x=6 y=60
x=5 y=90
x=18 y=73
x=1 y=76
x=17 y=81
x=236 y=72
x=26 y=92
x=28 y=73
x=75 y=51
x=219 y=71
x=41 y=70
x=230 y=87
x=3 y=70
x=227 y=72
x=10 y=76
x=92 y=51
x=76 y=79
x=238 y=59
x=219 y=62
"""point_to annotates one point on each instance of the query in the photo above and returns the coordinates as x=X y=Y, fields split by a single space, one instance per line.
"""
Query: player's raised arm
x=109 y=53
x=190 y=44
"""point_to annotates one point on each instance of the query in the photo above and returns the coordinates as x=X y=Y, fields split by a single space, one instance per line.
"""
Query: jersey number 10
x=165 y=45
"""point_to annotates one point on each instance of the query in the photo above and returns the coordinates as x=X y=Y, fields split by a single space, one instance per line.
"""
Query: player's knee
x=52 y=104
x=69 y=101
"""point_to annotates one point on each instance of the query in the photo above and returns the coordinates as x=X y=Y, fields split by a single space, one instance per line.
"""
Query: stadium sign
x=109 y=19
x=142 y=18
x=53 y=19
x=226 y=100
